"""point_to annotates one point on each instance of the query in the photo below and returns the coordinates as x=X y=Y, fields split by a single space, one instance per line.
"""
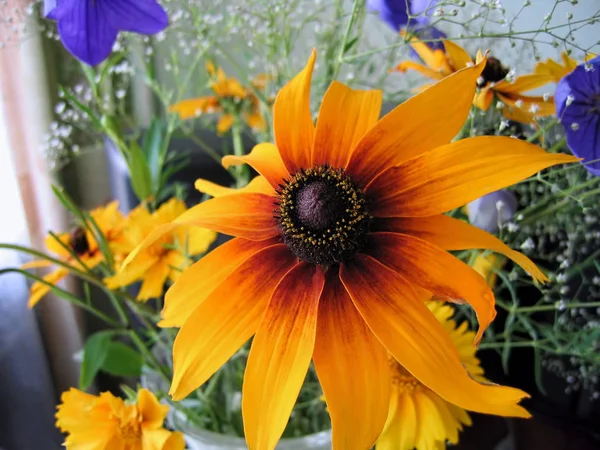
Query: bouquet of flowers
x=372 y=258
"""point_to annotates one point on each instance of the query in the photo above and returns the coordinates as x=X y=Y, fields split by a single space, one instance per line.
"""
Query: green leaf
x=153 y=149
x=350 y=44
x=94 y=355
x=122 y=360
x=141 y=178
x=115 y=59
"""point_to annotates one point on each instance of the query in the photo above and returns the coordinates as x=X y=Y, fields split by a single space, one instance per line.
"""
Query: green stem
x=149 y=356
x=241 y=173
x=66 y=295
x=542 y=308
x=356 y=6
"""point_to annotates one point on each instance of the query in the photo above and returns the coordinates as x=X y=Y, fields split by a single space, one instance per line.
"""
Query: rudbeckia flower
x=492 y=84
x=558 y=70
x=577 y=99
x=80 y=242
x=419 y=418
x=166 y=258
x=492 y=210
x=88 y=28
x=331 y=255
x=107 y=422
x=230 y=99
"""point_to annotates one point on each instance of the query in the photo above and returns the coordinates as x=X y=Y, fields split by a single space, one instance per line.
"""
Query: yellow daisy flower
x=487 y=264
x=492 y=84
x=81 y=242
x=167 y=257
x=106 y=422
x=418 y=417
x=557 y=70
x=225 y=89
x=330 y=258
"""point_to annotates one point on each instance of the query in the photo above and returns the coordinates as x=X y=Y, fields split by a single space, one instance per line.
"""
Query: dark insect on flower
x=78 y=241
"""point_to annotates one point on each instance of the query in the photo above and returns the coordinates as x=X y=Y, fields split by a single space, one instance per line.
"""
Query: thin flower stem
x=66 y=295
x=356 y=5
x=149 y=356
x=542 y=308
x=241 y=171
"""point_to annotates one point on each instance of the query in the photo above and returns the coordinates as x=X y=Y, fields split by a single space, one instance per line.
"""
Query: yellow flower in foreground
x=487 y=265
x=556 y=70
x=81 y=242
x=418 y=417
x=167 y=257
x=106 y=422
x=227 y=91
x=332 y=250
x=492 y=83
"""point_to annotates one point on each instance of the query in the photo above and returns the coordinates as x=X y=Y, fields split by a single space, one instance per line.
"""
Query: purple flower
x=395 y=14
x=89 y=28
x=492 y=210
x=577 y=100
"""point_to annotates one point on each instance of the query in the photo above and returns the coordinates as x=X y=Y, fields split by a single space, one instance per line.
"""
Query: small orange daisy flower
x=334 y=253
x=492 y=84
x=227 y=92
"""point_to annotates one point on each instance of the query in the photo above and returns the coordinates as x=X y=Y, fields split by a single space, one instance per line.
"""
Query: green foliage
x=95 y=352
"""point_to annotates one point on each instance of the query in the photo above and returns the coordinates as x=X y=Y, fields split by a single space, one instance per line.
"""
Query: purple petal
x=492 y=210
x=49 y=9
x=136 y=16
x=392 y=12
x=577 y=100
x=584 y=142
x=85 y=30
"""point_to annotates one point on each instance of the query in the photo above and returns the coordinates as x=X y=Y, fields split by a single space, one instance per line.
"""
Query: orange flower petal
x=224 y=123
x=417 y=340
x=436 y=270
x=280 y=355
x=459 y=58
x=188 y=109
x=484 y=98
x=257 y=184
x=455 y=174
x=227 y=318
x=154 y=281
x=198 y=281
x=152 y=411
x=265 y=159
x=543 y=106
x=452 y=234
x=345 y=116
x=39 y=289
x=524 y=83
x=423 y=70
x=292 y=120
x=427 y=120
x=357 y=400
x=401 y=429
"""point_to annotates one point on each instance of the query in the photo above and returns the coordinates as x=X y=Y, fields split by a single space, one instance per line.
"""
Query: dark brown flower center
x=493 y=72
x=78 y=241
x=322 y=215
